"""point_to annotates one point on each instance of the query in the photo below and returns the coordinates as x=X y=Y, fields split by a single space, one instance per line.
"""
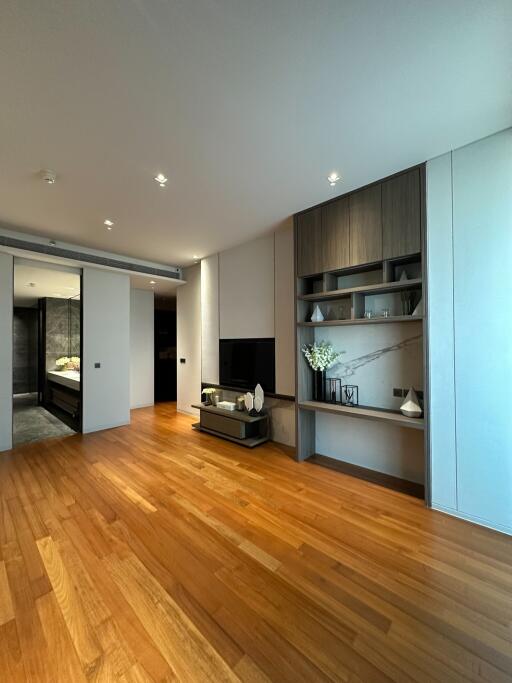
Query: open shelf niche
x=383 y=292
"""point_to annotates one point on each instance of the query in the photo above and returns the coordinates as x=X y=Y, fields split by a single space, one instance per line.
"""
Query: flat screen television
x=246 y=362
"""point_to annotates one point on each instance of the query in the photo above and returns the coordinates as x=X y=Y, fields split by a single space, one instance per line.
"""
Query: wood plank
x=365 y=225
x=223 y=563
x=401 y=215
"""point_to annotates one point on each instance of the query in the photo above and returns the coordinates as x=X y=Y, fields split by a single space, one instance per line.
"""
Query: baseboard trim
x=477 y=521
x=102 y=428
x=411 y=488
x=142 y=405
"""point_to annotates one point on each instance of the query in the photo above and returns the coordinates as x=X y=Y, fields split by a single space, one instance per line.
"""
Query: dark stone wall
x=25 y=327
x=74 y=327
x=57 y=331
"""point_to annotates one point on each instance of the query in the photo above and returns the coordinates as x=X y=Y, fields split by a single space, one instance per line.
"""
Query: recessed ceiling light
x=49 y=177
x=152 y=282
x=195 y=256
x=30 y=284
x=108 y=223
x=161 y=179
x=333 y=178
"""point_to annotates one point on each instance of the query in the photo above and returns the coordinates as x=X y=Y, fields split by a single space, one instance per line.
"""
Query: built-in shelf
x=379 y=288
x=365 y=413
x=364 y=321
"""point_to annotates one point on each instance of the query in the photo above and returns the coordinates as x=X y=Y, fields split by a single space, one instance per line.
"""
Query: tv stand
x=236 y=426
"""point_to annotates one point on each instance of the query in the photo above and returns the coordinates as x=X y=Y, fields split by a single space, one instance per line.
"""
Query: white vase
x=411 y=406
x=259 y=395
x=317 y=316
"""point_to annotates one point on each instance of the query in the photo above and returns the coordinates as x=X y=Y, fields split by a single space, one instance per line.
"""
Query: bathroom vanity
x=63 y=394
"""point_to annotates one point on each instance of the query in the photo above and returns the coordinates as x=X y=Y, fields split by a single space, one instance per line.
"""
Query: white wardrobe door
x=482 y=225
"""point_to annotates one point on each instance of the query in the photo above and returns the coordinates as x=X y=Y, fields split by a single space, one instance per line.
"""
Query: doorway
x=47 y=334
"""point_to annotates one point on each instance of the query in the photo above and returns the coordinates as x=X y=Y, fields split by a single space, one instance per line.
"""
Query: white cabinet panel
x=284 y=306
x=210 y=319
x=6 y=310
x=482 y=223
x=440 y=332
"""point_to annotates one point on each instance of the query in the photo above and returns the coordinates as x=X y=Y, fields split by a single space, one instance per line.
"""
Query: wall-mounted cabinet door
x=309 y=243
x=401 y=211
x=335 y=235
x=365 y=226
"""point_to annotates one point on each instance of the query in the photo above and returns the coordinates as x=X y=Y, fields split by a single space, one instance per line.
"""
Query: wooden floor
x=154 y=553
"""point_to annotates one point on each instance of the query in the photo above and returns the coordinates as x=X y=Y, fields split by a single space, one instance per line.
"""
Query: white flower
x=61 y=362
x=321 y=356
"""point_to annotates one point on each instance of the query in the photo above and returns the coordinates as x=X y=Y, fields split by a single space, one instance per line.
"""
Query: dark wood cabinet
x=401 y=215
x=309 y=243
x=335 y=235
x=365 y=226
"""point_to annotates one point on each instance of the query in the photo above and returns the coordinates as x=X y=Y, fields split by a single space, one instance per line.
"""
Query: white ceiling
x=245 y=105
x=59 y=281
x=48 y=283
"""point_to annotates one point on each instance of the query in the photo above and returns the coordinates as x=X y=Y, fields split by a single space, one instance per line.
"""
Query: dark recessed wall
x=25 y=350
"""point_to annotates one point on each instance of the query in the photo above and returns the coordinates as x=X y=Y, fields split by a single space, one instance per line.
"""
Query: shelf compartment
x=365 y=413
x=364 y=321
x=380 y=288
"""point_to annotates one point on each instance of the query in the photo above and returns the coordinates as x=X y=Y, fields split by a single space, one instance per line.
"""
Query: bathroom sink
x=67 y=378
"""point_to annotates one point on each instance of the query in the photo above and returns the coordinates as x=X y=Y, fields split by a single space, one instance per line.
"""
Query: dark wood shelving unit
x=364 y=321
x=349 y=251
x=379 y=288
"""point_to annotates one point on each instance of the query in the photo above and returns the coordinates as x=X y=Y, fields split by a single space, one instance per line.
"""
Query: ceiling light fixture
x=30 y=284
x=108 y=223
x=49 y=177
x=152 y=282
x=333 y=178
x=161 y=179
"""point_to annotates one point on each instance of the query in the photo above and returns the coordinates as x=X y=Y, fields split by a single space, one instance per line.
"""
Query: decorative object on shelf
x=259 y=394
x=368 y=314
x=240 y=403
x=411 y=406
x=385 y=312
x=227 y=405
x=333 y=390
x=320 y=357
x=403 y=276
x=418 y=311
x=208 y=393
x=258 y=404
x=249 y=401
x=407 y=299
x=217 y=397
x=349 y=395
x=317 y=316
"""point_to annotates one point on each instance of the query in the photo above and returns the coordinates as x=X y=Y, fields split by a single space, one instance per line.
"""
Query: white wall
x=106 y=340
x=142 y=348
x=246 y=290
x=210 y=319
x=469 y=257
x=188 y=322
x=6 y=311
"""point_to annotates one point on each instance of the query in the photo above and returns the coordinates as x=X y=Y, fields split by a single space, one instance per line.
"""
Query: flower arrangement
x=320 y=355
x=65 y=363
x=208 y=392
